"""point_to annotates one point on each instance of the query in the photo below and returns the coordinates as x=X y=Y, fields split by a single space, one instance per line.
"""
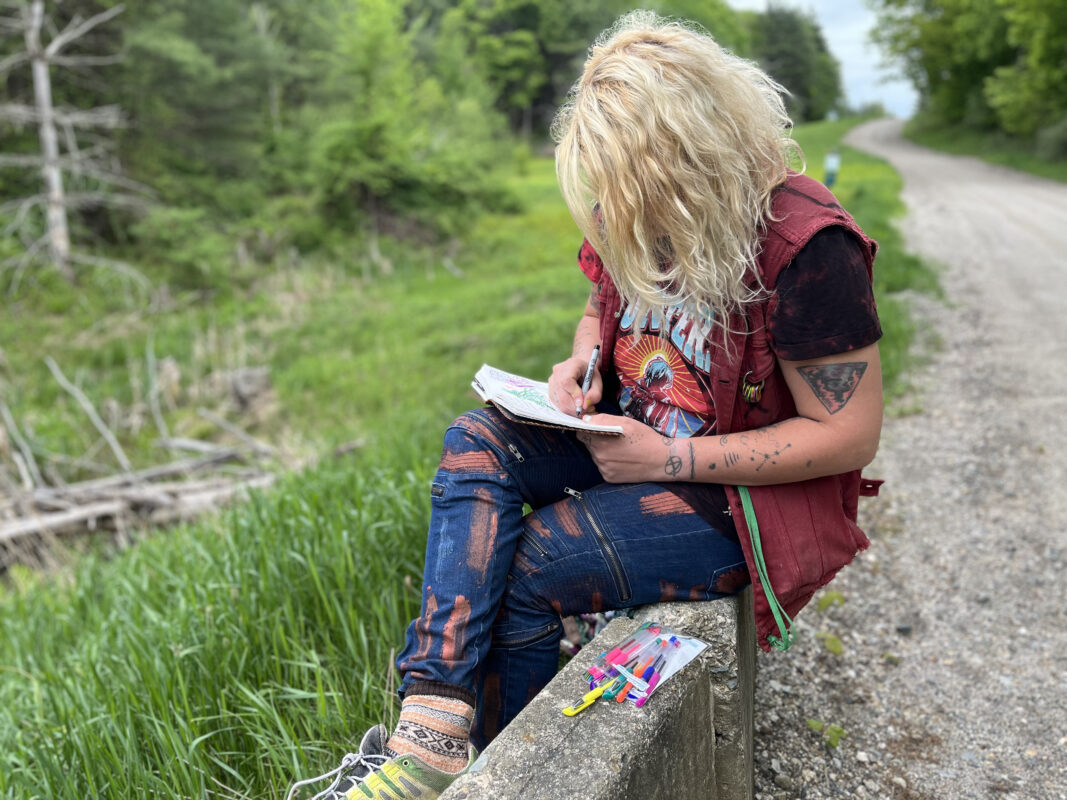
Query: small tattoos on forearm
x=692 y=464
x=768 y=456
x=758 y=449
x=833 y=384
x=673 y=465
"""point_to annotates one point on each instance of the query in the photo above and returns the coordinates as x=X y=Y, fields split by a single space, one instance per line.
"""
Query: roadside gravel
x=952 y=677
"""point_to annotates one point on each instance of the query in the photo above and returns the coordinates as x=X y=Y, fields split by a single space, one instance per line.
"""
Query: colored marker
x=652 y=681
x=622 y=694
x=587 y=700
x=609 y=658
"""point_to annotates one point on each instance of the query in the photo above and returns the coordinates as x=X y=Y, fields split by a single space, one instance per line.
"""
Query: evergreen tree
x=196 y=83
x=790 y=46
x=394 y=142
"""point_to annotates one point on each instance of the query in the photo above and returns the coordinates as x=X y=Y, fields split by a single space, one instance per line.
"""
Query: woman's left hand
x=640 y=454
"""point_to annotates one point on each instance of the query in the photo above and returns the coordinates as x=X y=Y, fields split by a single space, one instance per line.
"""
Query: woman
x=733 y=306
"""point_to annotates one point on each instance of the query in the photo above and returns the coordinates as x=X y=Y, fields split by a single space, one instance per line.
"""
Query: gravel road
x=952 y=682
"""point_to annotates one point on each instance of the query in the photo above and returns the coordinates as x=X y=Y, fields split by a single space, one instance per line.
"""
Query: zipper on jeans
x=536 y=545
x=514 y=450
x=610 y=554
x=540 y=633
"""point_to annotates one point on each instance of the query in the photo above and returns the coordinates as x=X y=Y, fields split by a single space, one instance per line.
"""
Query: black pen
x=587 y=382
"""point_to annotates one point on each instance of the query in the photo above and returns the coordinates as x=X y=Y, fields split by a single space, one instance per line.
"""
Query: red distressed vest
x=808 y=529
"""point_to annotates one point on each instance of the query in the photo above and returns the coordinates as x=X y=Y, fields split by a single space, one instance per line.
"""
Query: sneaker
x=354 y=767
x=370 y=773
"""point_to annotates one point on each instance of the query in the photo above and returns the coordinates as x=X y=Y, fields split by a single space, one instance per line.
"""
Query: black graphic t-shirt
x=657 y=372
x=823 y=305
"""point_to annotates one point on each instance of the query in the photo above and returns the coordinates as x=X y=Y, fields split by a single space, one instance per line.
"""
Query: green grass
x=223 y=659
x=870 y=189
x=232 y=653
x=344 y=351
x=992 y=146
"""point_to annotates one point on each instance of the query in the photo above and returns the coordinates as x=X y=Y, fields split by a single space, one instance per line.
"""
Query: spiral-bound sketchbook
x=527 y=401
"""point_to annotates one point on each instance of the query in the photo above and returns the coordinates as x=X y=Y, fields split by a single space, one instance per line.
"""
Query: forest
x=985 y=65
x=194 y=140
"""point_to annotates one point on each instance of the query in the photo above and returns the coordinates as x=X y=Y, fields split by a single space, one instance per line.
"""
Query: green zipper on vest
x=785 y=624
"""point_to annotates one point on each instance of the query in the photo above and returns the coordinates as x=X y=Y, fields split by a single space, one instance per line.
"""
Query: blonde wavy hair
x=668 y=150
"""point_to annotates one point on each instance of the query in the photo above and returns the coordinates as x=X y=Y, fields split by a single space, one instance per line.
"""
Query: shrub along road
x=952 y=628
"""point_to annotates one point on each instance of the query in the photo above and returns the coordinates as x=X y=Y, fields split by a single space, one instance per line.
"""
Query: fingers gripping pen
x=587 y=381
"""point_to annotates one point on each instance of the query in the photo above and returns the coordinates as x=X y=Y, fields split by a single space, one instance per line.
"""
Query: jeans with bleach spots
x=497 y=582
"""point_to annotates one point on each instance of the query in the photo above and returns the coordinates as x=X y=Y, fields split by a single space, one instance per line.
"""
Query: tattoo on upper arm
x=594 y=302
x=833 y=384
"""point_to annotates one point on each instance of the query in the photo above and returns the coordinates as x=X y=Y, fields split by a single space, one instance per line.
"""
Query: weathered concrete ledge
x=693 y=739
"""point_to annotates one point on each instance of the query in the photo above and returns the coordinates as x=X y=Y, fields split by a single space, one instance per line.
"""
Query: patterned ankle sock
x=435 y=728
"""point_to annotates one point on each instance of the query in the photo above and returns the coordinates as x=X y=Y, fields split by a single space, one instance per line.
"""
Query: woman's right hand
x=565 y=386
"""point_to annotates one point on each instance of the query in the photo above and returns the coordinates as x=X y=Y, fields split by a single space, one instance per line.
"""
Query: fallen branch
x=24 y=448
x=62 y=522
x=90 y=410
x=257 y=447
x=193 y=445
x=126 y=507
x=189 y=506
x=185 y=467
x=35 y=514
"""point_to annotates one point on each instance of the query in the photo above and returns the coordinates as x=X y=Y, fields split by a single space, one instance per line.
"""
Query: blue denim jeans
x=497 y=582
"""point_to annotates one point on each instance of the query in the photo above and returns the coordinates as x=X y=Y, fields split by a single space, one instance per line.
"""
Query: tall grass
x=225 y=658
x=218 y=660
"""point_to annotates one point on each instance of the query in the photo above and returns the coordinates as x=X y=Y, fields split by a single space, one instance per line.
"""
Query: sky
x=846 y=25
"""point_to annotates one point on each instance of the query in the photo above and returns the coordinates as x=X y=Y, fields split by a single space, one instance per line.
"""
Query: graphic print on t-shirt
x=659 y=387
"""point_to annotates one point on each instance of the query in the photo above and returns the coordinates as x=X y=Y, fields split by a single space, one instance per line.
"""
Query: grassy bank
x=870 y=190
x=992 y=146
x=222 y=659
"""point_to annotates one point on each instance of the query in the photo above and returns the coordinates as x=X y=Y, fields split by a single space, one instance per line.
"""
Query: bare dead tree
x=59 y=132
x=266 y=29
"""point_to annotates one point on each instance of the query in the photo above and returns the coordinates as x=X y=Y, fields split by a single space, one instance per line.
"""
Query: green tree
x=393 y=142
x=725 y=25
x=947 y=48
x=789 y=44
x=1031 y=92
x=196 y=82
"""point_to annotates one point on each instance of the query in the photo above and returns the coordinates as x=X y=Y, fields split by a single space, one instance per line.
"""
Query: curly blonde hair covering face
x=667 y=152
